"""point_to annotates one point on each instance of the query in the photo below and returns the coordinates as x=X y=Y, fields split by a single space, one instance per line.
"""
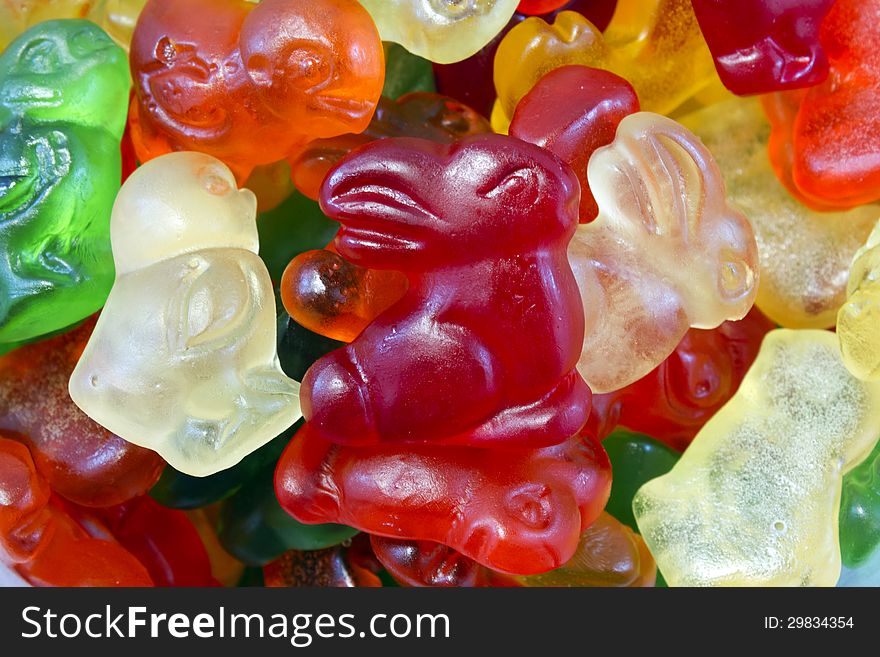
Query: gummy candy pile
x=440 y=292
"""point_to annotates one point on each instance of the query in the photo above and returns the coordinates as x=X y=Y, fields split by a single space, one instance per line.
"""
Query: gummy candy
x=251 y=83
x=804 y=254
x=443 y=31
x=480 y=228
x=829 y=151
x=44 y=542
x=406 y=73
x=514 y=510
x=196 y=377
x=63 y=87
x=572 y=111
x=677 y=397
x=656 y=45
x=858 y=322
x=660 y=193
x=117 y=17
x=860 y=512
x=425 y=115
x=338 y=566
x=761 y=46
x=754 y=500
x=78 y=458
x=427 y=564
x=533 y=7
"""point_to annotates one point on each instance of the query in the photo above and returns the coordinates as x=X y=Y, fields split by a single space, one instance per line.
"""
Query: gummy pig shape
x=858 y=322
x=485 y=341
x=515 y=510
x=666 y=252
x=251 y=83
x=63 y=91
x=183 y=357
x=754 y=500
x=443 y=31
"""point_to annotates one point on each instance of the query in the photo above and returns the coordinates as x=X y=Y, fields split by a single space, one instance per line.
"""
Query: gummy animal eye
x=41 y=56
x=516 y=184
x=531 y=505
x=309 y=67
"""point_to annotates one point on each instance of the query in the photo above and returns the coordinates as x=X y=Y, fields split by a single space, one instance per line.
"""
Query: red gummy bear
x=680 y=395
x=82 y=461
x=761 y=46
x=515 y=510
x=41 y=539
x=482 y=348
x=830 y=140
x=251 y=83
x=572 y=111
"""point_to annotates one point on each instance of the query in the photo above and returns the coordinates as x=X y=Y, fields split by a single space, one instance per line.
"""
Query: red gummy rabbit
x=482 y=348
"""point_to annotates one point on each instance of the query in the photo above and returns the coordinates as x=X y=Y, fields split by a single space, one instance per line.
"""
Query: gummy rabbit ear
x=666 y=252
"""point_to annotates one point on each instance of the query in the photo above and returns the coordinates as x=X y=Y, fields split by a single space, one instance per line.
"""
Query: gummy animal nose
x=333 y=398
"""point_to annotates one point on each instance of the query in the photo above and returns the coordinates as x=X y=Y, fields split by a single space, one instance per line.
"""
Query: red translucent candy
x=81 y=460
x=760 y=46
x=44 y=543
x=680 y=395
x=826 y=141
x=513 y=510
x=537 y=7
x=480 y=228
x=251 y=83
x=572 y=111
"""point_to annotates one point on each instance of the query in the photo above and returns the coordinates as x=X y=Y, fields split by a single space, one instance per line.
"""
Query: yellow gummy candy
x=858 y=323
x=183 y=358
x=443 y=31
x=117 y=17
x=754 y=499
x=804 y=255
x=655 y=44
x=666 y=252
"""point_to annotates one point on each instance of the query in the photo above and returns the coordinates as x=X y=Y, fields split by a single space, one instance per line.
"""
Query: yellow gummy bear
x=804 y=255
x=116 y=17
x=754 y=499
x=655 y=44
x=183 y=358
x=443 y=31
x=858 y=323
x=666 y=252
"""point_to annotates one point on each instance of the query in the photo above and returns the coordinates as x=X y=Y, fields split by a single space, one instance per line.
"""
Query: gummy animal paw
x=183 y=358
x=251 y=83
x=485 y=363
x=63 y=89
x=666 y=252
x=858 y=322
x=443 y=31
x=754 y=499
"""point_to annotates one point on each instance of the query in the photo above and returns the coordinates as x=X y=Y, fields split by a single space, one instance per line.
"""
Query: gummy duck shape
x=183 y=358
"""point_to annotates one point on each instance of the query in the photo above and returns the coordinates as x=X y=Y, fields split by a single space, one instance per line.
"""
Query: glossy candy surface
x=480 y=228
x=81 y=460
x=860 y=512
x=514 y=510
x=440 y=30
x=804 y=255
x=656 y=45
x=755 y=498
x=63 y=86
x=829 y=143
x=658 y=191
x=858 y=322
x=251 y=83
x=761 y=46
x=183 y=358
x=678 y=397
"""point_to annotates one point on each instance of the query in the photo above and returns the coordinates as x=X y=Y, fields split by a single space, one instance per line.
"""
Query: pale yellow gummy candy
x=754 y=499
x=804 y=255
x=183 y=358
x=117 y=17
x=858 y=323
x=443 y=31
x=666 y=252
x=656 y=45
